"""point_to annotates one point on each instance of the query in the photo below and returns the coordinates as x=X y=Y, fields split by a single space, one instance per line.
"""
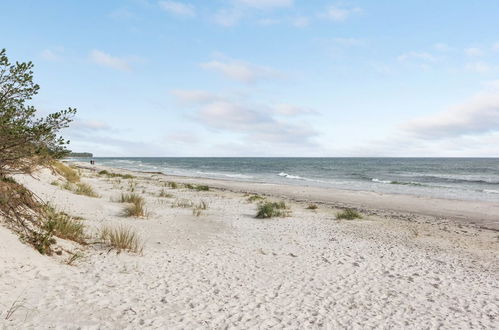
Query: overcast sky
x=265 y=77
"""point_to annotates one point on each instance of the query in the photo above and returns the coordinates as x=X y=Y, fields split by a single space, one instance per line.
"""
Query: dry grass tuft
x=64 y=226
x=199 y=208
x=312 y=207
x=137 y=205
x=130 y=198
x=73 y=258
x=254 y=198
x=135 y=210
x=183 y=203
x=164 y=194
x=67 y=172
x=122 y=238
x=85 y=189
x=348 y=214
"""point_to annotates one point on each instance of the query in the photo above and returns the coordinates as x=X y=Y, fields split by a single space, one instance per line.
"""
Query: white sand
x=228 y=269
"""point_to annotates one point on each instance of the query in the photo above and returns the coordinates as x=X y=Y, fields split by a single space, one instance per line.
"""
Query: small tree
x=25 y=139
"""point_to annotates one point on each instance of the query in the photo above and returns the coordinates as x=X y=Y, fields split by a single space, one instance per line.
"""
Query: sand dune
x=227 y=269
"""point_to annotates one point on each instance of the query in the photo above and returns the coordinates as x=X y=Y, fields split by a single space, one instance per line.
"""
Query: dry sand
x=407 y=264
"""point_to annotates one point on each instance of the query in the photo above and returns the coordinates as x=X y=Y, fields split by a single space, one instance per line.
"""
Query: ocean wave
x=491 y=191
x=412 y=183
x=381 y=181
x=460 y=179
x=289 y=176
x=228 y=175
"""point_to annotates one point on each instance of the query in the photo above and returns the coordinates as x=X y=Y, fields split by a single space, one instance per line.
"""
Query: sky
x=318 y=78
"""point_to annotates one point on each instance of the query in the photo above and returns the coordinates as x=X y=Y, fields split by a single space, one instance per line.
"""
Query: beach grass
x=85 y=189
x=165 y=194
x=312 y=207
x=122 y=238
x=171 y=184
x=197 y=187
x=64 y=226
x=199 y=208
x=116 y=175
x=348 y=214
x=182 y=203
x=272 y=209
x=254 y=198
x=65 y=171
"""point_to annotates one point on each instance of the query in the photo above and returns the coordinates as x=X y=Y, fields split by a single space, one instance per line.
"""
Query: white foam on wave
x=491 y=191
x=289 y=176
x=381 y=181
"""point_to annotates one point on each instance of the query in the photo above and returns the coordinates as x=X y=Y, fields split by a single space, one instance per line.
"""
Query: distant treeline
x=80 y=154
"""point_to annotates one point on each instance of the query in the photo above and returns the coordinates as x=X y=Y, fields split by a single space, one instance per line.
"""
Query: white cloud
x=478 y=116
x=182 y=137
x=51 y=55
x=228 y=17
x=473 y=51
x=348 y=41
x=301 y=21
x=442 y=47
x=241 y=71
x=422 y=56
x=480 y=67
x=178 y=8
x=194 y=96
x=122 y=13
x=89 y=125
x=269 y=21
x=492 y=84
x=292 y=110
x=339 y=13
x=255 y=122
x=265 y=4
x=107 y=60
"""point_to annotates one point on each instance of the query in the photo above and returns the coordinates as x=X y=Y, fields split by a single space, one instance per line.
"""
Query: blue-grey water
x=456 y=178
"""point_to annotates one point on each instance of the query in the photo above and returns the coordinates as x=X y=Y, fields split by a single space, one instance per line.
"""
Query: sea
x=453 y=178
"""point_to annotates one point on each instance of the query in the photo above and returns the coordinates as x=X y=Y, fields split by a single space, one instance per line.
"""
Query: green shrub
x=349 y=214
x=272 y=209
x=202 y=188
x=172 y=185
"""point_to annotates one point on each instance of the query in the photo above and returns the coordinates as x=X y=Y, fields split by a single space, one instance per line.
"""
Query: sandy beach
x=411 y=262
